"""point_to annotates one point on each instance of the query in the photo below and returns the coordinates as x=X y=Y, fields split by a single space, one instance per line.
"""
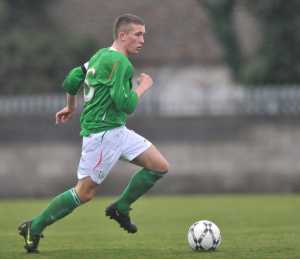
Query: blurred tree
x=222 y=21
x=277 y=59
x=34 y=53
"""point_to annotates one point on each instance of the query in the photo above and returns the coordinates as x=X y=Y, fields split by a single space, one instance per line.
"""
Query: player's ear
x=122 y=35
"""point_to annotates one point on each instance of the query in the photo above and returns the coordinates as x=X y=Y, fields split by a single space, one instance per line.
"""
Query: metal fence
x=227 y=101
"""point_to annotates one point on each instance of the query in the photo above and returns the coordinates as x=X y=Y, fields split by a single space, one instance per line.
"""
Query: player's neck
x=116 y=47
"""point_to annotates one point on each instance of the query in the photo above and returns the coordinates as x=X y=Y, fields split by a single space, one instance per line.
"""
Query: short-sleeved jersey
x=108 y=94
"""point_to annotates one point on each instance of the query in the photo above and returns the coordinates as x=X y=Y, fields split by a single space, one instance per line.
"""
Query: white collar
x=112 y=48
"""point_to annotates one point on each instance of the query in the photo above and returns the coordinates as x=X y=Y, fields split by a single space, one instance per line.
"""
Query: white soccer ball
x=204 y=235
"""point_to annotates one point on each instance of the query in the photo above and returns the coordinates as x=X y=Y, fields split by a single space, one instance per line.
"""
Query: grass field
x=252 y=226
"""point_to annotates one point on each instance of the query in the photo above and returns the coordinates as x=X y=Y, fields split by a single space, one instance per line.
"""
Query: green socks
x=66 y=202
x=139 y=184
x=58 y=208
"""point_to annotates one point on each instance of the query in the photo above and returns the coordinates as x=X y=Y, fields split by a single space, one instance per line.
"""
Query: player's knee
x=86 y=196
x=86 y=189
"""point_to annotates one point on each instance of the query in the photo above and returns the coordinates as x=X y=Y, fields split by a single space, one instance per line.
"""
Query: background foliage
x=277 y=59
x=34 y=53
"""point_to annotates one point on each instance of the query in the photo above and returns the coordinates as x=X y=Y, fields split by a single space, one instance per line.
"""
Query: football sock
x=139 y=184
x=59 y=207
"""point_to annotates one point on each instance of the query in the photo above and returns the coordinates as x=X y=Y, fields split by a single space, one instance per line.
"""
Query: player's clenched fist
x=145 y=80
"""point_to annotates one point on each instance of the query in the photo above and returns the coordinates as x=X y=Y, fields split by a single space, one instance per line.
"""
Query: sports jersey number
x=89 y=91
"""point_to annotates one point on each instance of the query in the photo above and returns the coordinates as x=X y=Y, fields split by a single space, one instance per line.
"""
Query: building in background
x=218 y=136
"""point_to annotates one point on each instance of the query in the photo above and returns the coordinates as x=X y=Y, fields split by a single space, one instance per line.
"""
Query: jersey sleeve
x=74 y=79
x=124 y=98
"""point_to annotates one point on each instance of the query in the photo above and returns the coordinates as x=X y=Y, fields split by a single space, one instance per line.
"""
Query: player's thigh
x=152 y=159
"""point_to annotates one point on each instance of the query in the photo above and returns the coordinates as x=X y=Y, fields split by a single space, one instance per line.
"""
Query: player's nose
x=142 y=40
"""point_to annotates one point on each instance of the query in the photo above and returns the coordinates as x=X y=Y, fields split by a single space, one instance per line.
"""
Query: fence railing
x=231 y=101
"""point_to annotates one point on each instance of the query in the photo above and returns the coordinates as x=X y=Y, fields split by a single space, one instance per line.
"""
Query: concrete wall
x=215 y=154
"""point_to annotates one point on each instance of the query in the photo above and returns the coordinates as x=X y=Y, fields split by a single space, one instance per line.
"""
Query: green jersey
x=108 y=94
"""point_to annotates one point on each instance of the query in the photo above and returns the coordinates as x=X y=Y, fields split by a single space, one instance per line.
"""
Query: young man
x=109 y=98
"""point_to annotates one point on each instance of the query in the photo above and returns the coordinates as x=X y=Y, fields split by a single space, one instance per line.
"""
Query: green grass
x=252 y=226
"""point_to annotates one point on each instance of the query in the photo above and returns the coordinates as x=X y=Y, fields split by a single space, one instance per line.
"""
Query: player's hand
x=64 y=115
x=145 y=81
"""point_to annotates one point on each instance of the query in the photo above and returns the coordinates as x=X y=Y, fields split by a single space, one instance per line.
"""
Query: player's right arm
x=74 y=79
x=66 y=113
x=71 y=85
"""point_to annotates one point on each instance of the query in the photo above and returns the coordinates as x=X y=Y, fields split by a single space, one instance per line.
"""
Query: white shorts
x=101 y=151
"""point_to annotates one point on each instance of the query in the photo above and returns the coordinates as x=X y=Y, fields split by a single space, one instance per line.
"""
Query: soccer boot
x=123 y=219
x=31 y=241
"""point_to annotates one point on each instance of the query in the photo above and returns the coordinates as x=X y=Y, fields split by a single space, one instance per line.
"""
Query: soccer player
x=108 y=98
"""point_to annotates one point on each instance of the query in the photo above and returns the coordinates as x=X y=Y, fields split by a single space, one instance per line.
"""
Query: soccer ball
x=204 y=235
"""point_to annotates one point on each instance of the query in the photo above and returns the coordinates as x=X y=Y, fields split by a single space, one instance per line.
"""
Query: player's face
x=134 y=39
